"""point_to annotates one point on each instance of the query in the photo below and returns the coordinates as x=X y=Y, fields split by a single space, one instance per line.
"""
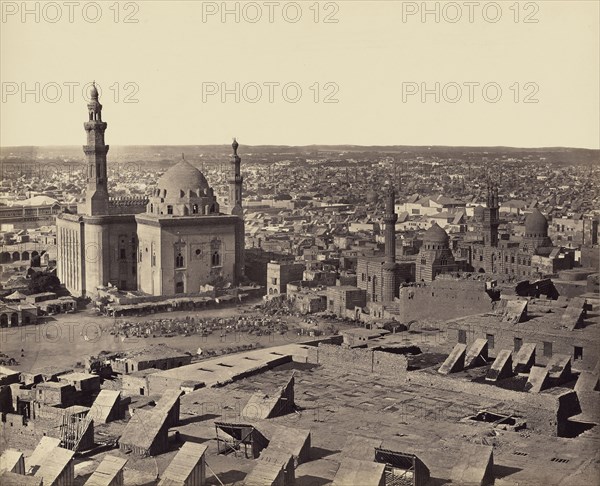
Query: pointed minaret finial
x=235 y=146
x=94 y=91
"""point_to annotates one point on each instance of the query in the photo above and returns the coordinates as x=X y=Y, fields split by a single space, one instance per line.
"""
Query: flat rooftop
x=222 y=369
x=337 y=403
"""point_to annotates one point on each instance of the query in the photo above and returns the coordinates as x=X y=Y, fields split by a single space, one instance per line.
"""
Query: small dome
x=94 y=92
x=536 y=224
x=436 y=234
x=183 y=176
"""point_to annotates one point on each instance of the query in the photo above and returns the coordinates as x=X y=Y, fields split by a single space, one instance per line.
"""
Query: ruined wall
x=505 y=339
x=390 y=364
x=355 y=359
x=543 y=412
x=18 y=433
x=360 y=359
x=443 y=299
x=341 y=299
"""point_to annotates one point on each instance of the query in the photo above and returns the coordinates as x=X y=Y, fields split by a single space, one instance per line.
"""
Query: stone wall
x=18 y=433
x=359 y=359
x=134 y=384
x=443 y=299
x=563 y=342
x=543 y=412
x=340 y=300
x=546 y=412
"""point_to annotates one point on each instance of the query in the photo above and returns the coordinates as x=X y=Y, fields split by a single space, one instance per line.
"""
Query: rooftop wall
x=443 y=299
x=562 y=342
x=544 y=412
x=361 y=359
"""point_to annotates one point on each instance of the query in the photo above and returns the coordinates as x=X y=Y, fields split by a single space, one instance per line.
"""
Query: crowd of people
x=189 y=325
x=6 y=360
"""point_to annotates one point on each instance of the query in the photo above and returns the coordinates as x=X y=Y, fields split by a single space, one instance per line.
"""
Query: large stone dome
x=183 y=176
x=536 y=224
x=182 y=191
x=436 y=234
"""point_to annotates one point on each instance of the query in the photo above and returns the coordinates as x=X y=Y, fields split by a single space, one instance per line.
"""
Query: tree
x=43 y=282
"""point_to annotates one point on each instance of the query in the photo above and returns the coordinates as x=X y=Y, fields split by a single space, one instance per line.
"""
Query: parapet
x=127 y=205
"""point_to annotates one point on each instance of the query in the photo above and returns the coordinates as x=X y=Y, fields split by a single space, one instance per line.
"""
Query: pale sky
x=373 y=61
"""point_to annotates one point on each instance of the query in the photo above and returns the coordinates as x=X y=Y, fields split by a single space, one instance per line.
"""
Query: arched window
x=195 y=209
x=179 y=261
x=151 y=207
x=216 y=259
x=169 y=209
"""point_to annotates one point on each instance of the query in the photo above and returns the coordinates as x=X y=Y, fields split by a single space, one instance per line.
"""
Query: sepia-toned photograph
x=300 y=243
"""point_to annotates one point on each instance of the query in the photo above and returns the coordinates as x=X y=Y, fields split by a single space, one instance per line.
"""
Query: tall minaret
x=235 y=205
x=390 y=218
x=491 y=216
x=97 y=184
x=389 y=278
x=235 y=183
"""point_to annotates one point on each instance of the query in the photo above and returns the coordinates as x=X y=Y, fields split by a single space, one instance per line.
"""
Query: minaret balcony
x=95 y=125
x=95 y=149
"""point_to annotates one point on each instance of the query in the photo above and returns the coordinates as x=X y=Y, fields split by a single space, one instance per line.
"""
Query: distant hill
x=212 y=153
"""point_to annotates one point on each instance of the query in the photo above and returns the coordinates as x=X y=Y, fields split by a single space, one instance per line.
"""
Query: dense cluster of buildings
x=478 y=323
x=375 y=285
x=492 y=383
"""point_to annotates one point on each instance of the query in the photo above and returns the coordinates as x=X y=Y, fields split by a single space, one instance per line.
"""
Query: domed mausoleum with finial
x=182 y=191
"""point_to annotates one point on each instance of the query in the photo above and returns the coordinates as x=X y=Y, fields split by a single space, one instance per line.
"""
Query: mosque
x=381 y=277
x=175 y=241
x=532 y=257
x=529 y=258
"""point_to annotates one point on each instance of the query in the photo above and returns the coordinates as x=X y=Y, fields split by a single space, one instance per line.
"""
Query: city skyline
x=299 y=243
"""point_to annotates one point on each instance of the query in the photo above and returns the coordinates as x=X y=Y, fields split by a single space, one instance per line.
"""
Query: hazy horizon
x=556 y=147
